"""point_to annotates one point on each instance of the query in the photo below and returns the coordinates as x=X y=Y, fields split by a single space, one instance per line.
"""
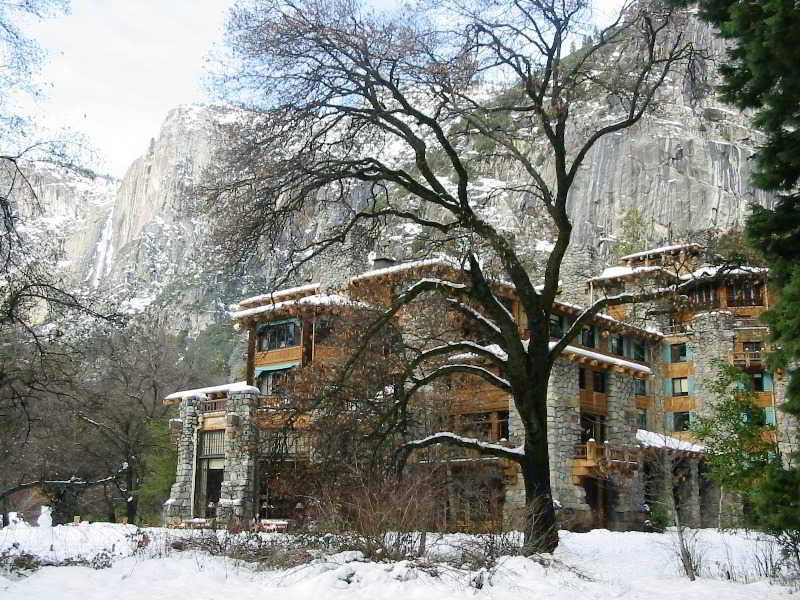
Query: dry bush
x=384 y=518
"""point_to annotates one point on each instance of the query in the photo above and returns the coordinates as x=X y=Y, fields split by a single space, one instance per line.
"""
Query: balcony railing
x=746 y=323
x=677 y=329
x=215 y=405
x=746 y=359
x=607 y=456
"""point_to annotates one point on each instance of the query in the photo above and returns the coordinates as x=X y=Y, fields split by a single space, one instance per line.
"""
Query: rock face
x=685 y=168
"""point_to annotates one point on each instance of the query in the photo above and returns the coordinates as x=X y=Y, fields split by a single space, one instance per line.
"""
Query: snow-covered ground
x=598 y=564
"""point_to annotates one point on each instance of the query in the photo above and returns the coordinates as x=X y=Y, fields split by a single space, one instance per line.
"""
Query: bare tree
x=383 y=119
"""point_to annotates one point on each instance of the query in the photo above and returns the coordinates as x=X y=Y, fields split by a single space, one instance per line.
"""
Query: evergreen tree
x=732 y=432
x=761 y=74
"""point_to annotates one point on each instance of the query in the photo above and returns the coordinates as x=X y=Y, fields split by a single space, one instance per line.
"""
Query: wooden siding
x=477 y=399
x=282 y=355
x=643 y=402
x=331 y=353
x=681 y=369
x=594 y=402
x=680 y=403
x=763 y=399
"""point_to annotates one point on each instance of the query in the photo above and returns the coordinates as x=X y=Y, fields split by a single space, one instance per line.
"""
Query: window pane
x=600 y=382
x=681 y=421
x=678 y=352
x=680 y=386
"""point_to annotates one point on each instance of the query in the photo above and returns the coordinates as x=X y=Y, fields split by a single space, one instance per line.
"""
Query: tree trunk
x=132 y=501
x=541 y=531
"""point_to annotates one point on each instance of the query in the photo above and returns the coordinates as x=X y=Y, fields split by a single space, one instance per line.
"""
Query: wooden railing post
x=591 y=450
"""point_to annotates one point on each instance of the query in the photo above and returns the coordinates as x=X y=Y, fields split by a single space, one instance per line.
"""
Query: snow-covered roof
x=713 y=270
x=614 y=360
x=439 y=261
x=609 y=319
x=622 y=271
x=313 y=300
x=239 y=386
x=662 y=250
x=310 y=287
x=651 y=439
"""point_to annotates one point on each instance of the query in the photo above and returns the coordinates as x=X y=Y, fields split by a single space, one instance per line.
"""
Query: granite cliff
x=684 y=168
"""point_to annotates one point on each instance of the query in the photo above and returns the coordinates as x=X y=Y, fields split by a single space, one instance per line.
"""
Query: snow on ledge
x=617 y=272
x=230 y=388
x=315 y=300
x=605 y=358
x=519 y=450
x=662 y=250
x=501 y=354
x=311 y=287
x=651 y=439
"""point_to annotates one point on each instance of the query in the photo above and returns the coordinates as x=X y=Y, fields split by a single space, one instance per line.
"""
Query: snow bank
x=598 y=564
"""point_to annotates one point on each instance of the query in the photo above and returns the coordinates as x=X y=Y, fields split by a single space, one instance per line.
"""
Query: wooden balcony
x=763 y=399
x=746 y=359
x=599 y=460
x=279 y=356
x=678 y=329
x=679 y=403
x=594 y=402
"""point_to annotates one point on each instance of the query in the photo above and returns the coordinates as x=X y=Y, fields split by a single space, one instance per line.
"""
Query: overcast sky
x=115 y=67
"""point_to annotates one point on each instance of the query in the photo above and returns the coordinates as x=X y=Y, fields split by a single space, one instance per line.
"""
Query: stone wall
x=712 y=339
x=627 y=484
x=241 y=438
x=179 y=505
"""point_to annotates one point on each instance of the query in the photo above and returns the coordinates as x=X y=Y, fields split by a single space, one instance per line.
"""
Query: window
x=769 y=416
x=678 y=352
x=642 y=420
x=278 y=335
x=640 y=387
x=503 y=422
x=639 y=350
x=704 y=295
x=556 y=326
x=477 y=425
x=680 y=386
x=582 y=378
x=322 y=330
x=274 y=383
x=758 y=382
x=617 y=345
x=681 y=420
x=746 y=294
x=212 y=443
x=587 y=337
x=593 y=427
x=751 y=346
x=600 y=381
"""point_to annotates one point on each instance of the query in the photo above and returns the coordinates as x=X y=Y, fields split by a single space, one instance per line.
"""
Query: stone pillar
x=625 y=504
x=179 y=505
x=237 y=499
x=713 y=337
x=563 y=432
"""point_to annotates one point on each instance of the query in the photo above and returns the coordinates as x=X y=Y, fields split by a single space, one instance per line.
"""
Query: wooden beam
x=251 y=353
